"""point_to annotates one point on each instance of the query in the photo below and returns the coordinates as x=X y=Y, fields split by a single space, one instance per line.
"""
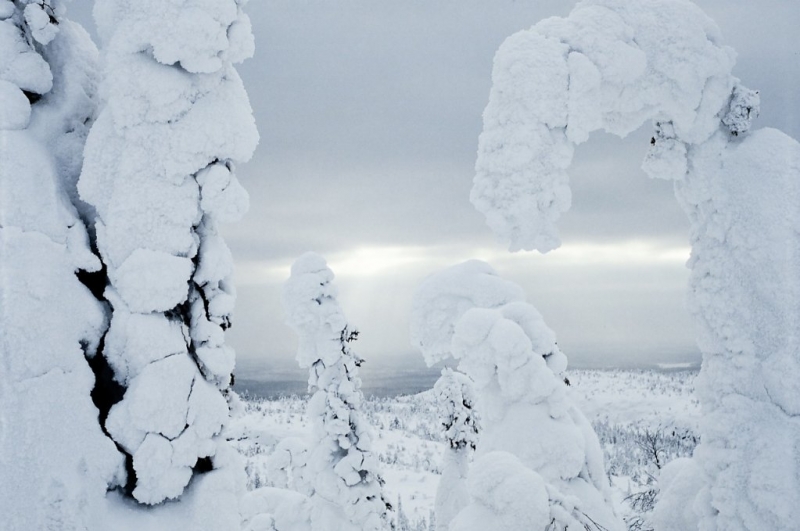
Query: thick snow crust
x=55 y=462
x=341 y=473
x=538 y=460
x=614 y=64
x=159 y=176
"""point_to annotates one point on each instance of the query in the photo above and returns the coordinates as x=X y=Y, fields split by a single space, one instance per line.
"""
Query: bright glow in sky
x=601 y=294
x=377 y=261
x=369 y=113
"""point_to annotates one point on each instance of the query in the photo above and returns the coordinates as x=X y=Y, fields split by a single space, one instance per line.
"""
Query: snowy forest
x=118 y=169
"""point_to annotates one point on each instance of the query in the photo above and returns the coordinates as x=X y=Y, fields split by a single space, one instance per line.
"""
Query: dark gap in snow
x=181 y=312
x=95 y=281
x=105 y=393
x=203 y=465
x=33 y=97
x=188 y=398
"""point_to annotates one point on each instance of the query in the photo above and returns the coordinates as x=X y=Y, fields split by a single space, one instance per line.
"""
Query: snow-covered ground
x=631 y=412
x=637 y=397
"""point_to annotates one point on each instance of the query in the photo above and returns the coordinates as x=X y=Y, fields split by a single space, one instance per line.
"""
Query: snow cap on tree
x=442 y=298
x=309 y=300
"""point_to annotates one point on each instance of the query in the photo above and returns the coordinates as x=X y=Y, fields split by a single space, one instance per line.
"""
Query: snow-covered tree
x=455 y=397
x=55 y=462
x=346 y=487
x=402 y=519
x=539 y=464
x=159 y=174
x=613 y=65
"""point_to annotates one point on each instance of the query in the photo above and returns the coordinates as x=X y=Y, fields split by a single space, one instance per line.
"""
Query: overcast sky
x=369 y=113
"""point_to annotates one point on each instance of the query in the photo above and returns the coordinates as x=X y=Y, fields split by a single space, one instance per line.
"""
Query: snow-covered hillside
x=638 y=416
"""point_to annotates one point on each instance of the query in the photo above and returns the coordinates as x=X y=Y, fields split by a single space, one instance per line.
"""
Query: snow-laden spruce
x=613 y=65
x=55 y=462
x=538 y=462
x=455 y=398
x=342 y=472
x=159 y=173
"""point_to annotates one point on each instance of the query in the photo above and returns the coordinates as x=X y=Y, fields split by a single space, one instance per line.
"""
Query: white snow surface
x=38 y=20
x=507 y=496
x=212 y=502
x=16 y=111
x=152 y=281
x=56 y=463
x=679 y=507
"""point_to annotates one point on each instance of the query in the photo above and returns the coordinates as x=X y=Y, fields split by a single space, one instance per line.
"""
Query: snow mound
x=16 y=111
x=508 y=496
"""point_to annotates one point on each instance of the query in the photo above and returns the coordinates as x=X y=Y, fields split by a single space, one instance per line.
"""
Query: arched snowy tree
x=613 y=65
x=159 y=173
x=346 y=487
x=455 y=396
x=539 y=463
x=55 y=462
